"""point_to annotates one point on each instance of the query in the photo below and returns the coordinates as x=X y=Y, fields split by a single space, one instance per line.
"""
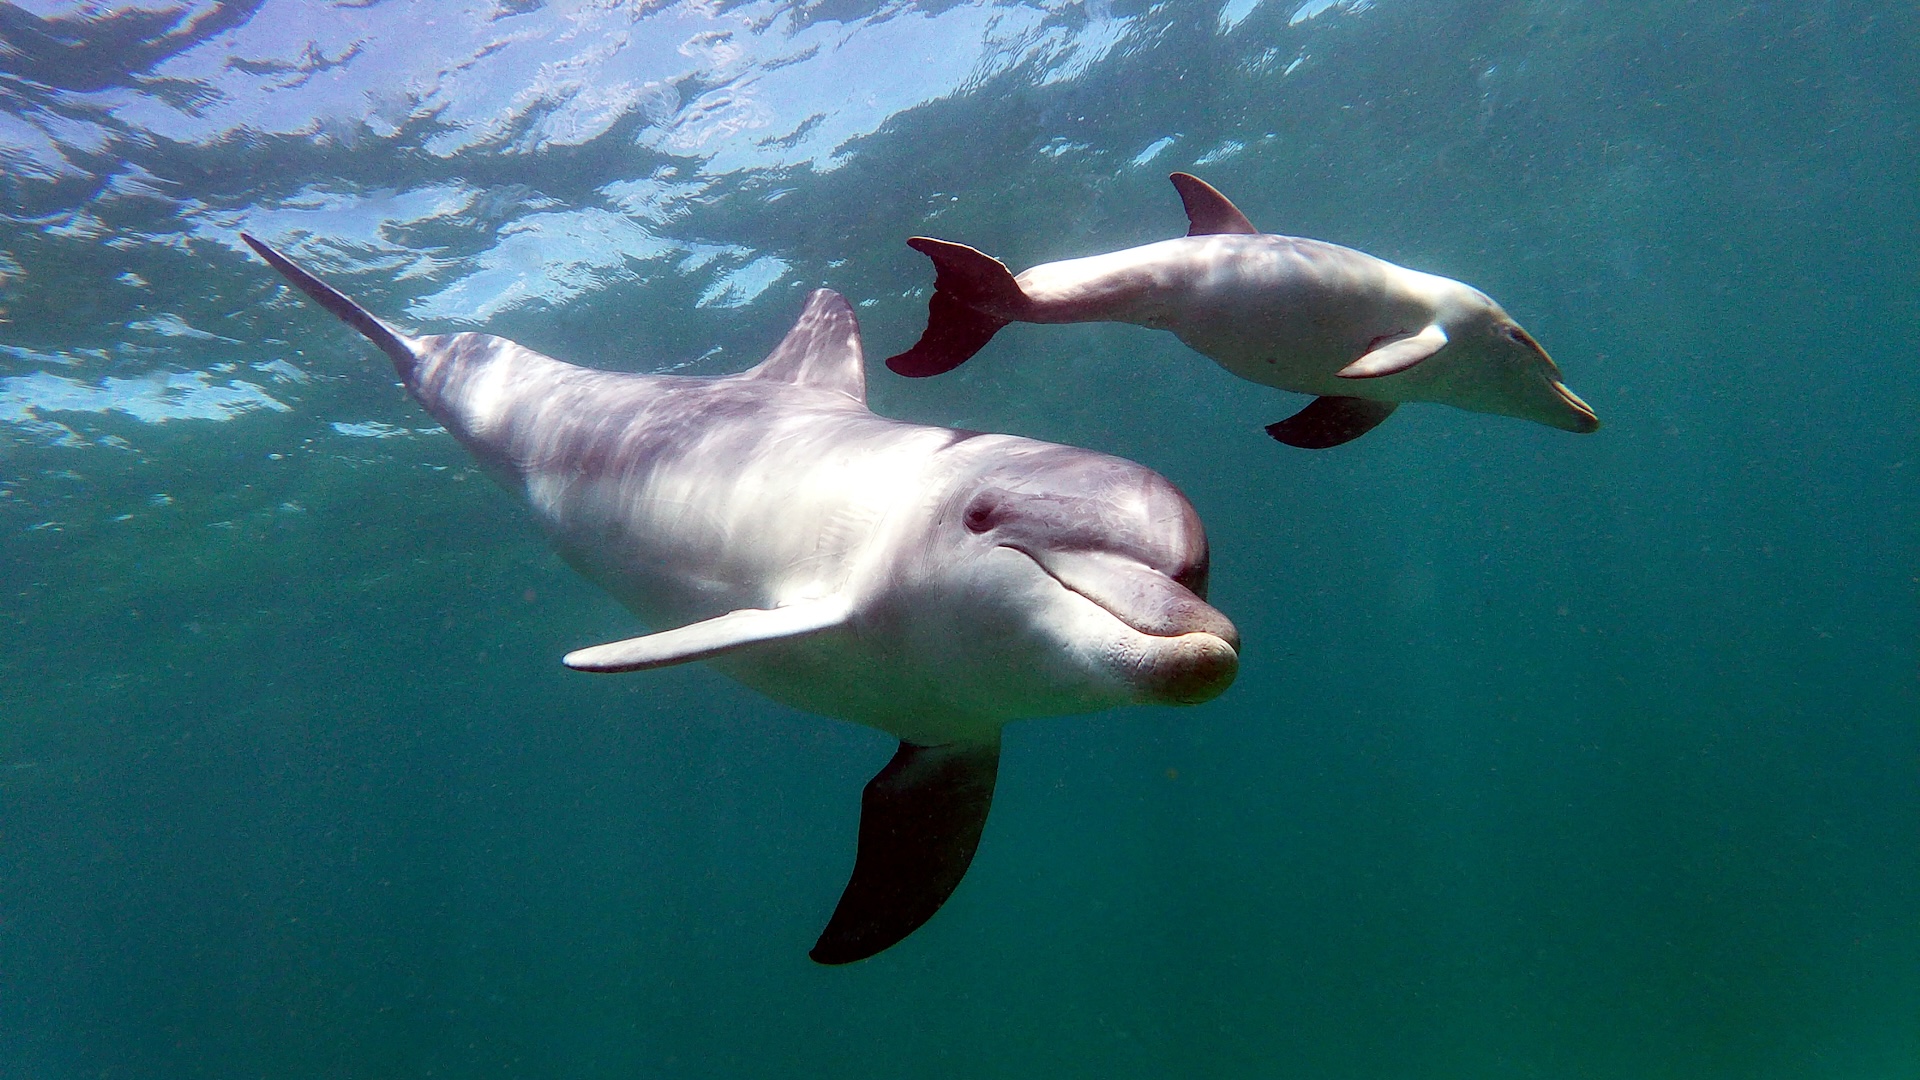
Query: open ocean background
x=1551 y=756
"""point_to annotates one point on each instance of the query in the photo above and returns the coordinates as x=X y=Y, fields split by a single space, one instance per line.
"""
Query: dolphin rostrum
x=934 y=584
x=1302 y=315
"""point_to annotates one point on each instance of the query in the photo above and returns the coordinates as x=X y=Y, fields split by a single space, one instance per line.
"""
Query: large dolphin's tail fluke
x=973 y=293
x=389 y=341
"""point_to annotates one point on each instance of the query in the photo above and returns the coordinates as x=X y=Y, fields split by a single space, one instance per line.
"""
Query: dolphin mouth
x=1584 y=419
x=1191 y=652
x=1134 y=593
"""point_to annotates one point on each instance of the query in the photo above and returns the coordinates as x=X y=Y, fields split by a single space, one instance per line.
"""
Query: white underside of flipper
x=711 y=637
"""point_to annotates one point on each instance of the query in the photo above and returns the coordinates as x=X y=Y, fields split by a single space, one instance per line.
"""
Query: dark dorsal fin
x=920 y=821
x=1208 y=211
x=822 y=349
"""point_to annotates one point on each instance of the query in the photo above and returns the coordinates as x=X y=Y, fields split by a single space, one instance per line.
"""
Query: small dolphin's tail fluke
x=920 y=822
x=973 y=295
x=389 y=341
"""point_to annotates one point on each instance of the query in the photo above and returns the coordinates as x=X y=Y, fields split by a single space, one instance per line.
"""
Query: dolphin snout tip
x=1193 y=668
x=1580 y=417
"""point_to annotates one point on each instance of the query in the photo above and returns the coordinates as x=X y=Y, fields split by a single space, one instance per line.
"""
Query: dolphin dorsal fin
x=1208 y=211
x=822 y=349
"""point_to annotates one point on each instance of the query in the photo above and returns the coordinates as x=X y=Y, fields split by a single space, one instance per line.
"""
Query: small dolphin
x=1302 y=315
x=934 y=584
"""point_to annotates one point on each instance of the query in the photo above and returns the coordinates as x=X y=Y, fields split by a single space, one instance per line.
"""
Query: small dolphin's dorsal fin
x=1398 y=355
x=1208 y=212
x=822 y=349
x=711 y=637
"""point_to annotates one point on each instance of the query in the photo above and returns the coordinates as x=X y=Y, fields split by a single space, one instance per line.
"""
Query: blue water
x=1550 y=756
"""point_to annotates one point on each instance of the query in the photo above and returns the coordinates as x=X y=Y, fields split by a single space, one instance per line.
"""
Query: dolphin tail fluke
x=382 y=335
x=1330 y=421
x=920 y=822
x=973 y=293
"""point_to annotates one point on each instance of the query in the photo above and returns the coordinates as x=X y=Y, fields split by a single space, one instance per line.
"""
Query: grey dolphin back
x=920 y=823
x=382 y=335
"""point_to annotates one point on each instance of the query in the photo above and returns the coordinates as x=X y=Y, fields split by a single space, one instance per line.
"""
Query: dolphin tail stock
x=920 y=822
x=969 y=287
x=389 y=340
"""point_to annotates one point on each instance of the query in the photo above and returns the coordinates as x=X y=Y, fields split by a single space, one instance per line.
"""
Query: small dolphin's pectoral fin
x=822 y=349
x=700 y=640
x=1397 y=356
x=1330 y=421
x=920 y=821
x=973 y=295
x=1208 y=212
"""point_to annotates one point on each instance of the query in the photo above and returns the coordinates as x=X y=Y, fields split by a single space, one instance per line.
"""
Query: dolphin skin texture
x=1360 y=333
x=931 y=583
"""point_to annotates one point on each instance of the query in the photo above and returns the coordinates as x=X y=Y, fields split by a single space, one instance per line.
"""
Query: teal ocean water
x=1551 y=756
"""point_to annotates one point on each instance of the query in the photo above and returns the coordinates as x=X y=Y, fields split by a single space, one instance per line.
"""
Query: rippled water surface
x=1551 y=756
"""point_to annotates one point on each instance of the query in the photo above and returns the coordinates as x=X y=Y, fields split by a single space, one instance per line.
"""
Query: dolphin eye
x=981 y=513
x=1516 y=335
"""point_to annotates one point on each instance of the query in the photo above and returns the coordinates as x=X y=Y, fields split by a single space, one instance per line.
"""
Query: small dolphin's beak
x=1582 y=419
x=1194 y=652
x=1575 y=415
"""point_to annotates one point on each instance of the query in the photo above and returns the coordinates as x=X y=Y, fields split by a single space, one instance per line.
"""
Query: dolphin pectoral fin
x=920 y=821
x=1330 y=421
x=1208 y=212
x=972 y=294
x=1397 y=356
x=698 y=641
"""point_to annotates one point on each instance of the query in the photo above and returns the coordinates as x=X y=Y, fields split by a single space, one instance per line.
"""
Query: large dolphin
x=928 y=582
x=1302 y=315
